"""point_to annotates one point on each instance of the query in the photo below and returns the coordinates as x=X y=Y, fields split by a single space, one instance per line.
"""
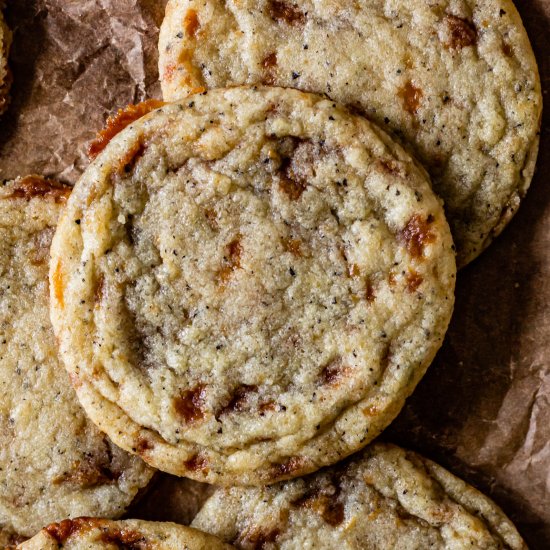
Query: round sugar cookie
x=247 y=285
x=456 y=81
x=93 y=533
x=54 y=462
x=381 y=499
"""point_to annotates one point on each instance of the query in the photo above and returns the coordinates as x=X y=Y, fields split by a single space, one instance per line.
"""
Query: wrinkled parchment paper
x=483 y=409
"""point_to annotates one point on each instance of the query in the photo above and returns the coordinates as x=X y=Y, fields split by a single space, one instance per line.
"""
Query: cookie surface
x=5 y=73
x=384 y=498
x=246 y=286
x=54 y=462
x=90 y=533
x=456 y=81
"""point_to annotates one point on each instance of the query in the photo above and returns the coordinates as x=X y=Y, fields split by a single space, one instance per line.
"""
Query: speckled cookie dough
x=93 y=533
x=54 y=462
x=383 y=499
x=455 y=80
x=247 y=285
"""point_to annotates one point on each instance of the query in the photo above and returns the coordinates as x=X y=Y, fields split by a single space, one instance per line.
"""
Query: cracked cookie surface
x=381 y=499
x=53 y=461
x=247 y=285
x=456 y=81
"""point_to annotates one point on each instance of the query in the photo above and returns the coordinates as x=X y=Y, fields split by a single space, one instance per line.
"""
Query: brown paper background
x=483 y=409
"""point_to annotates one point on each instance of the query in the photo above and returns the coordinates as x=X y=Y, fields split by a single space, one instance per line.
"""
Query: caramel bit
x=333 y=373
x=411 y=96
x=269 y=63
x=371 y=411
x=417 y=235
x=125 y=538
x=90 y=472
x=59 y=285
x=267 y=406
x=190 y=404
x=99 y=289
x=292 y=188
x=129 y=160
x=117 y=122
x=292 y=246
x=41 y=242
x=290 y=14
x=256 y=538
x=507 y=49
x=239 y=400
x=60 y=532
x=287 y=468
x=369 y=291
x=414 y=280
x=197 y=463
x=324 y=504
x=191 y=23
x=37 y=186
x=143 y=445
x=462 y=33
x=232 y=260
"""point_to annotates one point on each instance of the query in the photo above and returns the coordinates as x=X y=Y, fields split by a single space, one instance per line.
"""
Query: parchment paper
x=483 y=409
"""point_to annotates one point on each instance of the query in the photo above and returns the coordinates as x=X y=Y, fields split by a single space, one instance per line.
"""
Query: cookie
x=91 y=533
x=54 y=462
x=456 y=81
x=5 y=72
x=247 y=285
x=384 y=498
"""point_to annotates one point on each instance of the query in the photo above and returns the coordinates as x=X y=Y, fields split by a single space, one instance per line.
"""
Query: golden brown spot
x=190 y=404
x=117 y=122
x=414 y=280
x=353 y=270
x=327 y=506
x=269 y=63
x=59 y=284
x=41 y=243
x=232 y=260
x=416 y=234
x=99 y=289
x=333 y=373
x=191 y=23
x=287 y=468
x=374 y=514
x=197 y=463
x=390 y=166
x=369 y=291
x=292 y=246
x=60 y=532
x=411 y=96
x=391 y=278
x=37 y=186
x=288 y=13
x=239 y=400
x=256 y=538
x=462 y=33
x=370 y=411
x=168 y=73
